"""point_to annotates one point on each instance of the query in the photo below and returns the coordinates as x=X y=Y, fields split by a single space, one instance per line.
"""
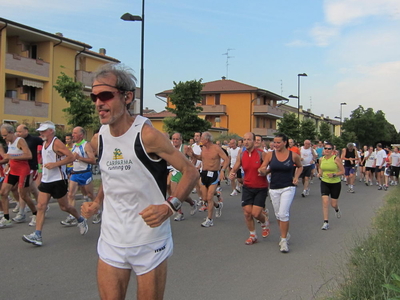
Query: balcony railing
x=84 y=77
x=213 y=109
x=27 y=65
x=265 y=132
x=267 y=110
x=20 y=107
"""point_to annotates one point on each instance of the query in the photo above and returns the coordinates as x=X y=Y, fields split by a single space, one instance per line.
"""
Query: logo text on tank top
x=118 y=162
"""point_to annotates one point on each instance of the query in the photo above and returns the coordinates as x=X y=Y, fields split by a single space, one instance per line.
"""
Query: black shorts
x=239 y=174
x=371 y=169
x=254 y=196
x=209 y=177
x=14 y=179
x=306 y=171
x=331 y=189
x=395 y=171
x=378 y=169
x=56 y=189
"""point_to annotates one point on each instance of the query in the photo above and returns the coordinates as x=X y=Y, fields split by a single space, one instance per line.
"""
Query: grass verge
x=375 y=257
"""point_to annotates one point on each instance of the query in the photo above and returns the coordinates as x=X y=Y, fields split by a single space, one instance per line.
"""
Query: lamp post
x=298 y=93
x=298 y=106
x=130 y=17
x=341 y=116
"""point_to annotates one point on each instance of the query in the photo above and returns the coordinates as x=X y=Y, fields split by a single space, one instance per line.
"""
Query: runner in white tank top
x=135 y=233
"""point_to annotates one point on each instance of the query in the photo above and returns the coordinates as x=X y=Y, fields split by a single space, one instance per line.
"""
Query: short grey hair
x=207 y=136
x=8 y=127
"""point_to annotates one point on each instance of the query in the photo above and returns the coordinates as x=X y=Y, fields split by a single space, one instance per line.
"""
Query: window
x=33 y=51
x=30 y=91
x=217 y=99
x=11 y=122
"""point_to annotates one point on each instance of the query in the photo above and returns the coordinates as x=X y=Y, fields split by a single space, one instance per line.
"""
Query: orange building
x=236 y=107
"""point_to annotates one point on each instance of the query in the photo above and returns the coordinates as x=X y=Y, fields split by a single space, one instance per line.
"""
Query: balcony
x=27 y=65
x=213 y=110
x=85 y=77
x=265 y=132
x=13 y=106
x=267 y=110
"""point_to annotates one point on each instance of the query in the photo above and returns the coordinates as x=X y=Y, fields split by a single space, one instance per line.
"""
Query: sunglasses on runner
x=103 y=96
x=328 y=148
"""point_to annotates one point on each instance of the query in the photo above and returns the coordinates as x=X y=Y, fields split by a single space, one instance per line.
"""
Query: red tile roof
x=160 y=115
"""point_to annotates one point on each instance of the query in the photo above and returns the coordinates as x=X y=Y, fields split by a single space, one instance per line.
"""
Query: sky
x=350 y=49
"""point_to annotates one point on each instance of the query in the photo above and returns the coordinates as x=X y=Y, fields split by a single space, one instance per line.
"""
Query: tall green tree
x=81 y=111
x=308 y=130
x=324 y=132
x=289 y=125
x=368 y=126
x=185 y=97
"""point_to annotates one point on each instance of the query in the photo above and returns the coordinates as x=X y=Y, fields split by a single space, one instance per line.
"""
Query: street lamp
x=298 y=93
x=341 y=116
x=130 y=17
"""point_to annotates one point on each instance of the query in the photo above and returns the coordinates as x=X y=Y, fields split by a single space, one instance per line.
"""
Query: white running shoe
x=16 y=208
x=33 y=238
x=325 y=226
x=32 y=223
x=193 y=208
x=234 y=193
x=338 y=213
x=179 y=217
x=19 y=218
x=207 y=223
x=97 y=218
x=218 y=210
x=83 y=227
x=4 y=223
x=69 y=221
x=284 y=248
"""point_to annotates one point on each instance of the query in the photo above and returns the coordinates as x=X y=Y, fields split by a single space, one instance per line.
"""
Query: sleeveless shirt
x=251 y=161
x=49 y=156
x=17 y=167
x=329 y=166
x=79 y=165
x=281 y=172
x=132 y=181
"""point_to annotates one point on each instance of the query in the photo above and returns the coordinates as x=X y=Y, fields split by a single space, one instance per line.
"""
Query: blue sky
x=350 y=49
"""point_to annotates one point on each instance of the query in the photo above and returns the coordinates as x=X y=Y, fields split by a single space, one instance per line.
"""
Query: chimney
x=102 y=51
x=223 y=77
x=322 y=115
x=59 y=34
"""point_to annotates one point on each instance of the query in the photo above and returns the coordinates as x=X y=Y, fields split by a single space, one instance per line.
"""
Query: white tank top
x=49 y=156
x=131 y=182
x=79 y=165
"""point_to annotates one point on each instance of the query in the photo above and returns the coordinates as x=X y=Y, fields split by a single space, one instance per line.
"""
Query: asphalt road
x=208 y=263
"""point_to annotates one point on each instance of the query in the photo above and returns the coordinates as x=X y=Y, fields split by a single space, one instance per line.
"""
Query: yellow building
x=236 y=107
x=30 y=62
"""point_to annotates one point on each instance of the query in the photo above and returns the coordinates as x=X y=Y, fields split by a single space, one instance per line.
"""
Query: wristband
x=174 y=202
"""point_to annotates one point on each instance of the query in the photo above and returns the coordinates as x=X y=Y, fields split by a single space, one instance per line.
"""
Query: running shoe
x=83 y=227
x=179 y=217
x=19 y=218
x=351 y=190
x=219 y=189
x=380 y=188
x=284 y=248
x=16 y=208
x=218 y=210
x=69 y=221
x=5 y=223
x=207 y=223
x=33 y=238
x=96 y=218
x=194 y=191
x=307 y=192
x=251 y=240
x=27 y=209
x=265 y=231
x=33 y=221
x=193 y=208
x=366 y=183
x=325 y=226
x=234 y=193
x=385 y=187
x=238 y=189
x=338 y=213
x=370 y=183
x=203 y=208
x=304 y=193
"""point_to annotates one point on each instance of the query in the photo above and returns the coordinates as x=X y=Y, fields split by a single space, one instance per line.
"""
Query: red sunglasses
x=104 y=96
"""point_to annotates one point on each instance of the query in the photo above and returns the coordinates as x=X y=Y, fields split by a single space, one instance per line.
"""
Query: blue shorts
x=82 y=178
x=69 y=170
x=349 y=170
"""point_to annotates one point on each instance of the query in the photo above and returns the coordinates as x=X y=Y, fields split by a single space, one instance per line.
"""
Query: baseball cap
x=46 y=125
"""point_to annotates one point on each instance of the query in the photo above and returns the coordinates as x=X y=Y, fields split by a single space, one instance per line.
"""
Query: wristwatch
x=174 y=202
x=334 y=175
